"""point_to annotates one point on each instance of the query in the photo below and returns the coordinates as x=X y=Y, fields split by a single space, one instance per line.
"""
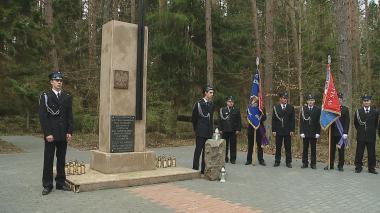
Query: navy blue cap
x=283 y=95
x=366 y=97
x=208 y=88
x=57 y=75
x=230 y=98
x=310 y=97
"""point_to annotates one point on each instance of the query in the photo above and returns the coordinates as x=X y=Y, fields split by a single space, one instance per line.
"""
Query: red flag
x=330 y=97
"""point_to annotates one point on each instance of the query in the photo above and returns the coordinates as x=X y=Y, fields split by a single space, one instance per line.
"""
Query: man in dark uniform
x=310 y=130
x=283 y=125
x=202 y=119
x=230 y=126
x=366 y=121
x=336 y=135
x=56 y=118
x=260 y=133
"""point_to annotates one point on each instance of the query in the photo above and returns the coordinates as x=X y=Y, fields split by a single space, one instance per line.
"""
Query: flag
x=331 y=105
x=255 y=105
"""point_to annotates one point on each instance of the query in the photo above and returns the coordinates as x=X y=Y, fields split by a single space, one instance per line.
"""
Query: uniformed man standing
x=230 y=126
x=56 y=118
x=366 y=121
x=337 y=135
x=283 y=125
x=260 y=136
x=310 y=130
x=202 y=119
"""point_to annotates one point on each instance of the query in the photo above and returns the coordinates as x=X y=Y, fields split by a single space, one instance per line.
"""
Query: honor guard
x=260 y=137
x=283 y=125
x=202 y=119
x=310 y=131
x=230 y=126
x=366 y=124
x=56 y=118
x=339 y=132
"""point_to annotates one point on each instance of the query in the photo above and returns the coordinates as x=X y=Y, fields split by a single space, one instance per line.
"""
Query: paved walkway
x=248 y=188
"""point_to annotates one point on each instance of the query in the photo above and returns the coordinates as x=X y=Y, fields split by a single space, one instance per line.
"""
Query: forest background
x=191 y=43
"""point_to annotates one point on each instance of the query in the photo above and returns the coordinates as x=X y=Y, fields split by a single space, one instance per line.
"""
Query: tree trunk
x=133 y=11
x=297 y=51
x=49 y=21
x=162 y=4
x=209 y=50
x=368 y=52
x=268 y=74
x=92 y=12
x=344 y=59
x=355 y=44
x=256 y=36
x=106 y=10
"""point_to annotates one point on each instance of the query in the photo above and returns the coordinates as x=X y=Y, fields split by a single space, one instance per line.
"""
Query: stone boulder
x=215 y=153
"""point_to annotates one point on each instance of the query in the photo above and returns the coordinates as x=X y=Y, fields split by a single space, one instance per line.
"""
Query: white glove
x=302 y=135
x=317 y=136
x=345 y=136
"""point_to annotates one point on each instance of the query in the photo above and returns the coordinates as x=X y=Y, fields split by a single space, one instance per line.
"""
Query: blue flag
x=255 y=105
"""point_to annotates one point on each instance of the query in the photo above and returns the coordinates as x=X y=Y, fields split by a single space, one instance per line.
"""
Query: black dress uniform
x=202 y=119
x=336 y=136
x=283 y=122
x=230 y=122
x=311 y=129
x=366 y=124
x=56 y=118
x=259 y=137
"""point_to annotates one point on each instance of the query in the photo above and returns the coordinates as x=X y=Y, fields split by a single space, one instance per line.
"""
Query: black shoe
x=313 y=166
x=373 y=171
x=340 y=168
x=358 y=169
x=262 y=163
x=248 y=163
x=289 y=165
x=226 y=160
x=46 y=190
x=276 y=164
x=233 y=162
x=304 y=166
x=327 y=168
x=63 y=188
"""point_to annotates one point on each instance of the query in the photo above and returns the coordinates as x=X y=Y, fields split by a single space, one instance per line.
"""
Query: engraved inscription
x=122 y=133
x=121 y=79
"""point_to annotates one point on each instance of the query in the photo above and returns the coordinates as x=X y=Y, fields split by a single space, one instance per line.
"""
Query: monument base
x=94 y=180
x=110 y=163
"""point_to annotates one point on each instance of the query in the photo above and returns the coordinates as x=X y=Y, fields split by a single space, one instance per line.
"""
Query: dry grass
x=8 y=148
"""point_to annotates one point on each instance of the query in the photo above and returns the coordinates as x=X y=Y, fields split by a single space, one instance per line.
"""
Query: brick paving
x=185 y=200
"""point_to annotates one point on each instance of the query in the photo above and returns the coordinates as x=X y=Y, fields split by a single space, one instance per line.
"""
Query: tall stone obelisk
x=121 y=136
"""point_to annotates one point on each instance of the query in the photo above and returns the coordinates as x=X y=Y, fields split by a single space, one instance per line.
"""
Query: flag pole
x=329 y=154
x=254 y=130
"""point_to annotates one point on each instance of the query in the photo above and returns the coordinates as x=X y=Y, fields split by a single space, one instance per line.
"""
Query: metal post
x=140 y=63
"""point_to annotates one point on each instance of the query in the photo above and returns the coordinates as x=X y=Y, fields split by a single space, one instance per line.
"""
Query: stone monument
x=122 y=159
x=121 y=136
x=215 y=154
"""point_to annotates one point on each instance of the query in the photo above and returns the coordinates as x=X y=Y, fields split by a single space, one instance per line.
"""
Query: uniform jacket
x=366 y=132
x=56 y=116
x=309 y=121
x=344 y=120
x=202 y=118
x=287 y=116
x=229 y=119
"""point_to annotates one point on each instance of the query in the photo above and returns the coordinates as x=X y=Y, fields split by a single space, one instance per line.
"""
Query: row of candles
x=164 y=161
x=75 y=168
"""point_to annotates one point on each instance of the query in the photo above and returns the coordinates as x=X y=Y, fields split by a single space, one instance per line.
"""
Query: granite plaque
x=122 y=133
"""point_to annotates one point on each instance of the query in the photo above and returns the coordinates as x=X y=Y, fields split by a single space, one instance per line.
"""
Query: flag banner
x=255 y=105
x=331 y=105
